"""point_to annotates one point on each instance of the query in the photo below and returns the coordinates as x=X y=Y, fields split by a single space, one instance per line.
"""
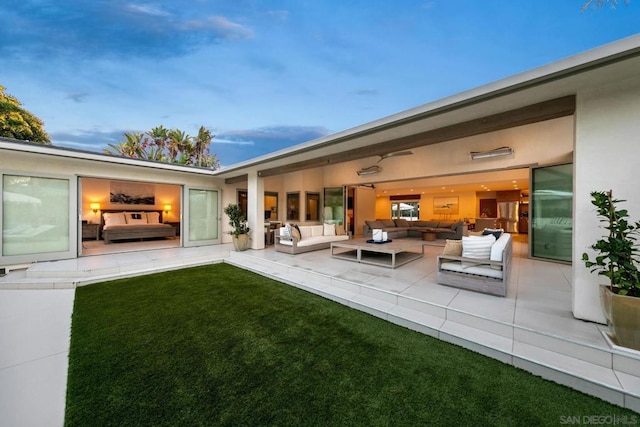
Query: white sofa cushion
x=481 y=270
x=316 y=230
x=314 y=240
x=497 y=249
x=329 y=229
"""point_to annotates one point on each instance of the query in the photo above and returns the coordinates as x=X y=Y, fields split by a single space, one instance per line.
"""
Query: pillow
x=329 y=230
x=388 y=222
x=495 y=231
x=477 y=247
x=295 y=232
x=153 y=217
x=114 y=218
x=285 y=232
x=445 y=224
x=340 y=231
x=475 y=233
x=452 y=247
x=401 y=223
x=136 y=217
x=374 y=224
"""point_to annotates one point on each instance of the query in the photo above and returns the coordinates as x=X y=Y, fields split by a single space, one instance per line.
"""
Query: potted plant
x=241 y=230
x=617 y=259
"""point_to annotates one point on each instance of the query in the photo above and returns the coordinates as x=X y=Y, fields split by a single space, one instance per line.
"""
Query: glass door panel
x=202 y=213
x=551 y=212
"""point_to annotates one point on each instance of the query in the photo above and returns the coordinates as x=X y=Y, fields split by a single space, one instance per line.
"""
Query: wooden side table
x=90 y=231
x=175 y=225
x=429 y=236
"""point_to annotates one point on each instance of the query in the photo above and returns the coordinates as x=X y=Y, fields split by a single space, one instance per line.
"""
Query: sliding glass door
x=551 y=210
x=202 y=217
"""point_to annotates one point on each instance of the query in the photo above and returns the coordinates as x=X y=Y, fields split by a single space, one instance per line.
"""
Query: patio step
x=606 y=373
x=68 y=274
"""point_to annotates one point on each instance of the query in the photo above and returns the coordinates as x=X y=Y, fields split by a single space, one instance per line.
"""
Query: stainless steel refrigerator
x=508 y=216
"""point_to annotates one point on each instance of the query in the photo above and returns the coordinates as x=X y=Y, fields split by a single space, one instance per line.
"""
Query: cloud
x=77 y=97
x=366 y=92
x=87 y=140
x=240 y=145
x=75 y=30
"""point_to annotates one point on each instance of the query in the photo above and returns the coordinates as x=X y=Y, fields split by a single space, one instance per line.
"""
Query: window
x=293 y=206
x=405 y=206
x=333 y=203
x=313 y=206
x=243 y=196
x=270 y=206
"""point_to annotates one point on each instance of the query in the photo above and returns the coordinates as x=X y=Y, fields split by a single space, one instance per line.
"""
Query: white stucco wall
x=606 y=158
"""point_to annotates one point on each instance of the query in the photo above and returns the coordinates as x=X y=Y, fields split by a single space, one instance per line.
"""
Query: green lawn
x=217 y=345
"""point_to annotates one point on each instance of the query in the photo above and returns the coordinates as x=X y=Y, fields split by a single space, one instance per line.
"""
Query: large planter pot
x=241 y=242
x=623 y=317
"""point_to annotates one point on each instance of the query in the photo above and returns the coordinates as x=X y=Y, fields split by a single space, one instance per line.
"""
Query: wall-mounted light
x=497 y=152
x=167 y=208
x=371 y=170
x=95 y=207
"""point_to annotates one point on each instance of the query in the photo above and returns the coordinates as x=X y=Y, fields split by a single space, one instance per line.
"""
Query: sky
x=267 y=75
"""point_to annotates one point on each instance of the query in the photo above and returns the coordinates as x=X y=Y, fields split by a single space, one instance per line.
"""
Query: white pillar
x=255 y=209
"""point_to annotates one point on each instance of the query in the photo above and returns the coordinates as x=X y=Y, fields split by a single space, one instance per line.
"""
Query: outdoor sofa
x=398 y=228
x=295 y=239
x=477 y=263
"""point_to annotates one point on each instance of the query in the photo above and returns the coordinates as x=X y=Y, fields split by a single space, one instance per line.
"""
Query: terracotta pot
x=241 y=242
x=623 y=317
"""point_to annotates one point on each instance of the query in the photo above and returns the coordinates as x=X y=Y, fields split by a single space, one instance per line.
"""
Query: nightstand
x=90 y=231
x=175 y=225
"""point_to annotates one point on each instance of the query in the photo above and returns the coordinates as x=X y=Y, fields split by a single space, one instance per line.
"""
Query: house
x=566 y=129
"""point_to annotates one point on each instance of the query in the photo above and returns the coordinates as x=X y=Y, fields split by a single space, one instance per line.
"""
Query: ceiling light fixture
x=372 y=170
x=496 y=152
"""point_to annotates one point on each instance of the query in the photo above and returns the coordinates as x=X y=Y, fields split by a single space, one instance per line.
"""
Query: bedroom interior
x=139 y=214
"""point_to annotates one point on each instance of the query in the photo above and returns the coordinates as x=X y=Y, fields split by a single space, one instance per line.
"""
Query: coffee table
x=390 y=254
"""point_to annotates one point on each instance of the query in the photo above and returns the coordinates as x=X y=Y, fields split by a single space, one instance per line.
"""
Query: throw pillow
x=374 y=224
x=388 y=222
x=329 y=230
x=401 y=223
x=495 y=231
x=340 y=230
x=295 y=232
x=285 y=232
x=452 y=247
x=136 y=217
x=477 y=247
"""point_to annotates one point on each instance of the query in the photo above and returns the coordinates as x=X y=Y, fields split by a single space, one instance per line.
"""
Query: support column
x=255 y=209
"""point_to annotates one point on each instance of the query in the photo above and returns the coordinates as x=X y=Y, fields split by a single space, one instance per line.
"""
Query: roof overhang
x=49 y=150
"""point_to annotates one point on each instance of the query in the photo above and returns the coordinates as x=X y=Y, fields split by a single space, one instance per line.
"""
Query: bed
x=138 y=225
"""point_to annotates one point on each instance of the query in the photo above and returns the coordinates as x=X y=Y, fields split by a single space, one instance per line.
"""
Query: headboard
x=102 y=211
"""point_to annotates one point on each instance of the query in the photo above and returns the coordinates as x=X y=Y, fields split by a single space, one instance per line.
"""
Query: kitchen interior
x=509 y=210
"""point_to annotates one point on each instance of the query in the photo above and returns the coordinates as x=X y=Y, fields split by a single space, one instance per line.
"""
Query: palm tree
x=132 y=147
x=177 y=144
x=159 y=136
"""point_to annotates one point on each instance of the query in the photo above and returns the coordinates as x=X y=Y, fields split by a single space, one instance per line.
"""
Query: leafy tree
x=18 y=123
x=169 y=146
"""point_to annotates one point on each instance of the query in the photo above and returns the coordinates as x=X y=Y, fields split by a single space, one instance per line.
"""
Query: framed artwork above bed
x=131 y=193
